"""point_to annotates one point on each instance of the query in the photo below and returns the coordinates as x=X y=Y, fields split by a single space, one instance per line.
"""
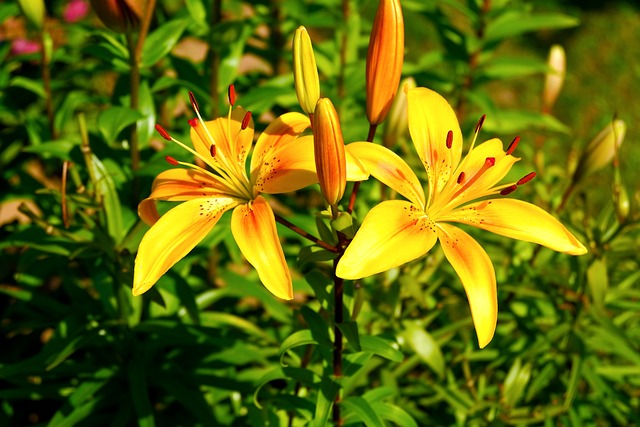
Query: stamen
x=528 y=177
x=480 y=123
x=449 y=139
x=163 y=133
x=246 y=120
x=171 y=161
x=513 y=145
x=510 y=189
x=232 y=95
x=195 y=124
x=193 y=101
x=461 y=178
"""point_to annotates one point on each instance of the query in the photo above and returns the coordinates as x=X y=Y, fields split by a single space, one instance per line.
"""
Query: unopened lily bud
x=120 y=15
x=305 y=71
x=555 y=77
x=622 y=203
x=329 y=151
x=600 y=151
x=397 y=126
x=384 y=59
x=33 y=11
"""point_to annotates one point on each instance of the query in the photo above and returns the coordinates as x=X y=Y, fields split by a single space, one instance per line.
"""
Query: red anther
x=232 y=95
x=480 y=123
x=193 y=101
x=449 y=139
x=171 y=161
x=510 y=189
x=193 y=122
x=461 y=178
x=490 y=161
x=246 y=120
x=513 y=145
x=528 y=177
x=163 y=133
x=212 y=150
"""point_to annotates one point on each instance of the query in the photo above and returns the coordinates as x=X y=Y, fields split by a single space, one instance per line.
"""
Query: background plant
x=78 y=349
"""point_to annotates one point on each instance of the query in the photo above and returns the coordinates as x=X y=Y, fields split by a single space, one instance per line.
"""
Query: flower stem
x=306 y=235
x=214 y=58
x=356 y=186
x=338 y=312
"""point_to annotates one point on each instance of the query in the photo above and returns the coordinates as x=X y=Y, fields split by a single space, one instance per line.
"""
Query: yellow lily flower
x=282 y=161
x=398 y=231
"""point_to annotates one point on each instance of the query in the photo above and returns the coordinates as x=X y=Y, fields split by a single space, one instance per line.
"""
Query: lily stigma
x=282 y=161
x=398 y=231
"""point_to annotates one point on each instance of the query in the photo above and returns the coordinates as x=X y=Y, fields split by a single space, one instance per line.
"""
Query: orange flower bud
x=329 y=151
x=555 y=77
x=384 y=59
x=120 y=15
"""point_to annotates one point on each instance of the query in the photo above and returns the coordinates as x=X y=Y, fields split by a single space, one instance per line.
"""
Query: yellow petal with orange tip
x=178 y=185
x=173 y=236
x=254 y=228
x=430 y=120
x=475 y=270
x=389 y=168
x=518 y=220
x=393 y=233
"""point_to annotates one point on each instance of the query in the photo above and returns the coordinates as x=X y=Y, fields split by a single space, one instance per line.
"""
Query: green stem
x=46 y=80
x=306 y=235
x=344 y=40
x=338 y=309
x=214 y=58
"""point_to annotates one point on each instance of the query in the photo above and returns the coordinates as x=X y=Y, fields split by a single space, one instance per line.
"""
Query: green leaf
x=598 y=282
x=301 y=375
x=297 y=339
x=60 y=149
x=310 y=255
x=329 y=389
x=230 y=38
x=395 y=414
x=34 y=86
x=515 y=382
x=113 y=120
x=344 y=224
x=146 y=125
x=359 y=408
x=381 y=347
x=514 y=23
x=161 y=41
x=108 y=195
x=140 y=392
x=350 y=331
x=425 y=346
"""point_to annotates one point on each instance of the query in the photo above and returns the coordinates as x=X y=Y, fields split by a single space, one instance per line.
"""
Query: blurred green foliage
x=209 y=345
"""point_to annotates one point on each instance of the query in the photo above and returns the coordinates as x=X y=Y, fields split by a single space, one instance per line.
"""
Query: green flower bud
x=33 y=11
x=305 y=71
x=600 y=151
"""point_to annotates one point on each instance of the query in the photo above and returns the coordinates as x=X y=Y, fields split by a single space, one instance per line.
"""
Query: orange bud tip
x=246 y=120
x=461 y=178
x=528 y=177
x=163 y=133
x=232 y=95
x=212 y=150
x=449 y=139
x=513 y=145
x=171 y=161
x=193 y=122
x=480 y=123
x=490 y=161
x=193 y=101
x=510 y=189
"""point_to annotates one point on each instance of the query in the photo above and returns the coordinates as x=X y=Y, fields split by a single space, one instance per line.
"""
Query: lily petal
x=390 y=169
x=287 y=169
x=356 y=171
x=232 y=143
x=254 y=227
x=430 y=120
x=518 y=220
x=393 y=233
x=173 y=237
x=178 y=185
x=281 y=134
x=473 y=266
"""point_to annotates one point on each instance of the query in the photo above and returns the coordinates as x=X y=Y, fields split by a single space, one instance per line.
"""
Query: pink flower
x=24 y=46
x=75 y=10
